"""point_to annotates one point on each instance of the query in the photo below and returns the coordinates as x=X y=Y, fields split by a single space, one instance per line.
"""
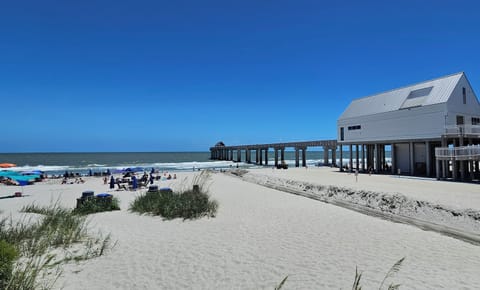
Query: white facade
x=396 y=116
x=412 y=122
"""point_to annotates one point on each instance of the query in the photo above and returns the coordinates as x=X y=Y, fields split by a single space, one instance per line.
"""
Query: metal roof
x=405 y=97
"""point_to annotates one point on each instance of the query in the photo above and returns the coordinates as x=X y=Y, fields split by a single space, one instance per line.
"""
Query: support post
x=444 y=162
x=325 y=156
x=341 y=157
x=394 y=161
x=276 y=156
x=334 y=156
x=266 y=156
x=462 y=162
x=363 y=157
x=454 y=166
x=429 y=158
x=304 y=157
x=412 y=158
x=297 y=162
x=357 y=160
x=350 y=166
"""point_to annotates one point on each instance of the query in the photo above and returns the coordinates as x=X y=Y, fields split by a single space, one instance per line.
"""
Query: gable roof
x=426 y=93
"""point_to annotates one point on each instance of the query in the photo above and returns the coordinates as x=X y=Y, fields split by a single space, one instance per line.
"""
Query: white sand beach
x=261 y=235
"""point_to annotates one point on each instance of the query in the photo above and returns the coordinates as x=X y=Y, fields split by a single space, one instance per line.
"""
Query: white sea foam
x=168 y=166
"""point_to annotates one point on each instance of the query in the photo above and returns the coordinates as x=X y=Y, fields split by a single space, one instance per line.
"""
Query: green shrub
x=187 y=204
x=96 y=204
x=8 y=254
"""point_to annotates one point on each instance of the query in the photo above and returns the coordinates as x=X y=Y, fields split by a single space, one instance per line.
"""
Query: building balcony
x=459 y=130
x=458 y=153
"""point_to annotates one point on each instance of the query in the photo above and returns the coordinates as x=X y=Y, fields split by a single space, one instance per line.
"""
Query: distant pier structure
x=234 y=153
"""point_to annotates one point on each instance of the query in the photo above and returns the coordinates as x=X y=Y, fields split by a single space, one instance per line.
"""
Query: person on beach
x=112 y=182
x=105 y=180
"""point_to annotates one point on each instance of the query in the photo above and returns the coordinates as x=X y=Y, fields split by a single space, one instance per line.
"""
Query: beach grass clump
x=391 y=272
x=190 y=203
x=42 y=245
x=358 y=277
x=95 y=205
x=8 y=255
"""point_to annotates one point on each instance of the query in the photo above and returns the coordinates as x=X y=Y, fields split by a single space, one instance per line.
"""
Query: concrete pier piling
x=222 y=152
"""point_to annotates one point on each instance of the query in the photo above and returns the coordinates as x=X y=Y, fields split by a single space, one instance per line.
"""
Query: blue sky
x=83 y=76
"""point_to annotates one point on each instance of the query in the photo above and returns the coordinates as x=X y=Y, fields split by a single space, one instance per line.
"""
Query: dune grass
x=94 y=205
x=358 y=276
x=58 y=236
x=190 y=203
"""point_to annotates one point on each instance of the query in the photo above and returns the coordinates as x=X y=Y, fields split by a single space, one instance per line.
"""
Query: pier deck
x=222 y=152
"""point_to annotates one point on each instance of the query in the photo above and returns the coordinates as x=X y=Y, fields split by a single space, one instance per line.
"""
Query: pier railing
x=458 y=153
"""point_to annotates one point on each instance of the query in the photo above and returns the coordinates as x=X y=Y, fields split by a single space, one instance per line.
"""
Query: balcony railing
x=458 y=153
x=462 y=130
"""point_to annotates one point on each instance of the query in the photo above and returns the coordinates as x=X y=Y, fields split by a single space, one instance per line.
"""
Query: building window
x=475 y=121
x=464 y=91
x=460 y=120
x=342 y=134
x=356 y=127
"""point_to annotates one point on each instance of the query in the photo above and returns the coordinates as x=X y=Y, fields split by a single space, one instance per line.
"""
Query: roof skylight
x=416 y=98
x=419 y=93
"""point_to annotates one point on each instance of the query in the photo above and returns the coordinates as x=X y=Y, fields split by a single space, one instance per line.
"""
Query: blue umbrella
x=134 y=183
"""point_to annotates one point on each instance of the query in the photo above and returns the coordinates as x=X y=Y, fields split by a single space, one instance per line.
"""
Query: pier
x=234 y=153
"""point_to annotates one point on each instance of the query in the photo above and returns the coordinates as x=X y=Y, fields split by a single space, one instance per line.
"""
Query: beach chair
x=121 y=186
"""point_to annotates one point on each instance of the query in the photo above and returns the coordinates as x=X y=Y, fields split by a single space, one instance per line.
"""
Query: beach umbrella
x=7 y=165
x=112 y=182
x=134 y=183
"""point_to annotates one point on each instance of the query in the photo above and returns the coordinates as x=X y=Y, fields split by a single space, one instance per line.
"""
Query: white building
x=411 y=122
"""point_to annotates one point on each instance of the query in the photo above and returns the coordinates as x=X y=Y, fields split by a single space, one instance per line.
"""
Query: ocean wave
x=166 y=166
x=45 y=168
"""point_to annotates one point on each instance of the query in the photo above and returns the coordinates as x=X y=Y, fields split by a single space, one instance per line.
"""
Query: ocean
x=58 y=163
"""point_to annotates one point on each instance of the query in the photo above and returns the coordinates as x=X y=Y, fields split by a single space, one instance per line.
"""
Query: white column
x=427 y=152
